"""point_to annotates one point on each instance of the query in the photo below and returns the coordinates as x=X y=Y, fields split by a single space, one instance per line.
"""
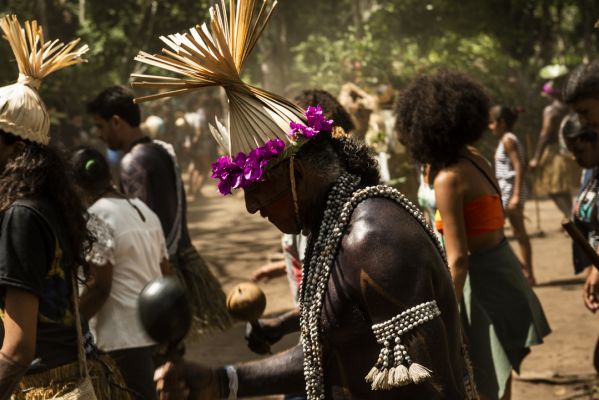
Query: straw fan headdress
x=22 y=111
x=261 y=126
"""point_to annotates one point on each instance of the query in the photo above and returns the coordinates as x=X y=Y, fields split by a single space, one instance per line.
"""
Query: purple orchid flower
x=246 y=169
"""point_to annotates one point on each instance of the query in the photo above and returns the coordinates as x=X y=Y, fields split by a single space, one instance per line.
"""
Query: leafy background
x=310 y=43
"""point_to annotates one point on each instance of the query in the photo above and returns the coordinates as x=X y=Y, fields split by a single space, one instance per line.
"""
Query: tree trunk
x=546 y=51
x=143 y=35
x=275 y=57
x=43 y=16
x=358 y=17
x=81 y=12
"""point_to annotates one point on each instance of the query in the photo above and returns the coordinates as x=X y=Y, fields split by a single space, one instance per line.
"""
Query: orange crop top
x=483 y=214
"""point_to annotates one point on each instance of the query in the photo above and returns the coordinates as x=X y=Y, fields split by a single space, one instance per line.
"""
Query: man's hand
x=514 y=204
x=187 y=381
x=591 y=290
x=533 y=164
x=261 y=335
x=269 y=271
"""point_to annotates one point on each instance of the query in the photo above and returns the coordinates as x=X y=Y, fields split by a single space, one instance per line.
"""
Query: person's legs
x=516 y=219
x=563 y=201
x=508 y=390
x=137 y=368
x=507 y=395
x=596 y=356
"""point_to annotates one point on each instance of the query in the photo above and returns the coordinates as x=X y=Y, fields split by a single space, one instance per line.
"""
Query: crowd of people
x=393 y=300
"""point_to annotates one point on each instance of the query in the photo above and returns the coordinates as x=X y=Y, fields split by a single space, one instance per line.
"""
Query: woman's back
x=131 y=239
x=472 y=184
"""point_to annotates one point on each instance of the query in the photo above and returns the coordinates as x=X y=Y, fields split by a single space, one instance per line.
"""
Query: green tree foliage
x=313 y=43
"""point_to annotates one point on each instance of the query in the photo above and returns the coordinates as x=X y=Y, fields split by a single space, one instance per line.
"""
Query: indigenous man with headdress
x=379 y=319
x=149 y=171
x=43 y=239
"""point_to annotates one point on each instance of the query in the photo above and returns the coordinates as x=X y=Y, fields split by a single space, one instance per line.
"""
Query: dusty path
x=235 y=243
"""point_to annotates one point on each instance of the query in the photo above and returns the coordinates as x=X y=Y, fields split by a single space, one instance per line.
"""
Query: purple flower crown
x=246 y=169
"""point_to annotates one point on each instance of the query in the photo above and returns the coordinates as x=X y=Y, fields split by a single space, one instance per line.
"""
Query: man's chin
x=286 y=229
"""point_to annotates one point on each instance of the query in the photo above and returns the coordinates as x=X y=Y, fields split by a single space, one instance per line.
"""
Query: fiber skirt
x=106 y=380
x=502 y=318
x=207 y=298
x=559 y=173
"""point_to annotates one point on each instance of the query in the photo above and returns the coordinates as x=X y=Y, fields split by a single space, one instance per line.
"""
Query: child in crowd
x=510 y=166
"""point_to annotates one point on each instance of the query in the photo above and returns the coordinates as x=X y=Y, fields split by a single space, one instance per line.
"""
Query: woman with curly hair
x=439 y=118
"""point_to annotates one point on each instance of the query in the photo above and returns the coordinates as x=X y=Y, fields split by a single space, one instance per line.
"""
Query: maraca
x=165 y=314
x=246 y=302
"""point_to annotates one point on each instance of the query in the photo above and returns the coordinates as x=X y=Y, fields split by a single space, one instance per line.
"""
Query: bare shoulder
x=383 y=233
x=449 y=179
x=509 y=141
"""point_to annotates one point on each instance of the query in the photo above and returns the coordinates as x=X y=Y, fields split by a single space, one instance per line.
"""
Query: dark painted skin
x=386 y=263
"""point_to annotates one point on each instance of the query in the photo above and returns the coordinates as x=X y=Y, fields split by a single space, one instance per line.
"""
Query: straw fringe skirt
x=208 y=300
x=559 y=173
x=106 y=379
x=502 y=318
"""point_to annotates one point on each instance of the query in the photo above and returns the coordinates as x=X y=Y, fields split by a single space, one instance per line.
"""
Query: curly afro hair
x=329 y=104
x=437 y=115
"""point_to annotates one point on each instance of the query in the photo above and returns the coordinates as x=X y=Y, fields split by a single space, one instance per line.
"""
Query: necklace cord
x=294 y=189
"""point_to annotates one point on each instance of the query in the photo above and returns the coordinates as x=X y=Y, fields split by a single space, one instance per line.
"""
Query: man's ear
x=116 y=121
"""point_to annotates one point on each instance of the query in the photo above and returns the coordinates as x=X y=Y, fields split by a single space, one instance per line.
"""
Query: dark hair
x=439 y=114
x=355 y=157
x=9 y=138
x=582 y=83
x=331 y=107
x=507 y=115
x=116 y=100
x=40 y=171
x=572 y=129
x=90 y=170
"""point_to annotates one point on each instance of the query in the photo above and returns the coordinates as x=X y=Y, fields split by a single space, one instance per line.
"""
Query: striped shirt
x=505 y=172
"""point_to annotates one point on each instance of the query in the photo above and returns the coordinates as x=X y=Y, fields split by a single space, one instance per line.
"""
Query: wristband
x=233 y=382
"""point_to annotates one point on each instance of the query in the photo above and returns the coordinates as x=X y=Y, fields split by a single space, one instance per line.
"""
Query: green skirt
x=502 y=316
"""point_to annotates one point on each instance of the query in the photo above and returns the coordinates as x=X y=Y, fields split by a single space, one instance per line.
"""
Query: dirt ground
x=235 y=243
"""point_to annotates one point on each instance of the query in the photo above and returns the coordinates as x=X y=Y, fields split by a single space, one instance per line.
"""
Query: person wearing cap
x=554 y=169
x=43 y=237
x=378 y=315
x=150 y=172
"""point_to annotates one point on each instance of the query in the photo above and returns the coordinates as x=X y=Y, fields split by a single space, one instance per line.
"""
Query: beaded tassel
x=394 y=367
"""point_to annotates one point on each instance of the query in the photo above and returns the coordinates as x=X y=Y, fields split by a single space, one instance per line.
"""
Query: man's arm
x=134 y=178
x=20 y=330
x=511 y=148
x=591 y=290
x=549 y=126
x=281 y=373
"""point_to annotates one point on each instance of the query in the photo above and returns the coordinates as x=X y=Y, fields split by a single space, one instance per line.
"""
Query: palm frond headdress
x=22 y=111
x=259 y=123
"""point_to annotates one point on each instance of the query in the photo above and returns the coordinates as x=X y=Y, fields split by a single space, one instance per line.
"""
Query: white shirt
x=135 y=249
